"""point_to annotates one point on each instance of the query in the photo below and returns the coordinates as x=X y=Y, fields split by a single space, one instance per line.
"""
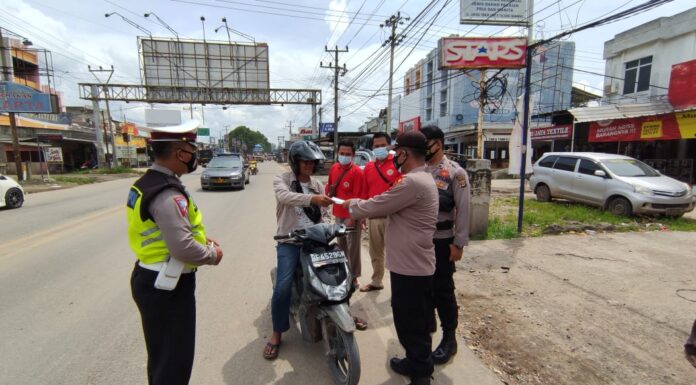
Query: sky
x=296 y=31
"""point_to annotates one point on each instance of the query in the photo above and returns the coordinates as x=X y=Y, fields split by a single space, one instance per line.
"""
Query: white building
x=639 y=60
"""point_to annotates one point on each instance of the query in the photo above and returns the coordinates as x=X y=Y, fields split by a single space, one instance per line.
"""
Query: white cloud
x=337 y=20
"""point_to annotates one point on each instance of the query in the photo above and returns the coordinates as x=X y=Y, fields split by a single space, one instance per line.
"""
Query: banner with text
x=658 y=127
x=552 y=133
x=495 y=12
x=482 y=52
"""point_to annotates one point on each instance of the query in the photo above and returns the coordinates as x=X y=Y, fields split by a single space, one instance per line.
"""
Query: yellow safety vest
x=144 y=235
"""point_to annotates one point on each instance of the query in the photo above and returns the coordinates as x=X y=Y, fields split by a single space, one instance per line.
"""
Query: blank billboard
x=187 y=63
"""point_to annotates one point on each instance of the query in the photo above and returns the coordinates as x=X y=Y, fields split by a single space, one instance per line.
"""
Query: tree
x=249 y=138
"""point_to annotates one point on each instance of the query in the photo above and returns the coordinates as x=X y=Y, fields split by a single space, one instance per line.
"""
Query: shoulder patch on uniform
x=462 y=180
x=133 y=196
x=182 y=204
x=399 y=180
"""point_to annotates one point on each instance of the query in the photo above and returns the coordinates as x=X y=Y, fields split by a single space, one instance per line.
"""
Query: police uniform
x=163 y=223
x=411 y=209
x=452 y=182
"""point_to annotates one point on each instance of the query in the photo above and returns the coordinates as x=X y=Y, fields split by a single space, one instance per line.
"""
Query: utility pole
x=290 y=128
x=108 y=111
x=13 y=122
x=338 y=70
x=482 y=104
x=525 y=123
x=394 y=39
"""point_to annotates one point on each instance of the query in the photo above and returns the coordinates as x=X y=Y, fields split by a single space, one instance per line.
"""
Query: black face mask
x=398 y=164
x=430 y=153
x=192 y=164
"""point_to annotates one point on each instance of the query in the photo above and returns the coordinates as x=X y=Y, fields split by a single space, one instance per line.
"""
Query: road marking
x=49 y=234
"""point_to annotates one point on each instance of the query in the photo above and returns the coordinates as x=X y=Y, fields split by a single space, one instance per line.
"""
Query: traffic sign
x=327 y=127
x=202 y=131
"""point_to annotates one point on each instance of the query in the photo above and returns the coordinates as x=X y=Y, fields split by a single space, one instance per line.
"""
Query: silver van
x=620 y=184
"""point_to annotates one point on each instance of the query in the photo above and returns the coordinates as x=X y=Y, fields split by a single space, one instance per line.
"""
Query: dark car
x=204 y=156
x=225 y=171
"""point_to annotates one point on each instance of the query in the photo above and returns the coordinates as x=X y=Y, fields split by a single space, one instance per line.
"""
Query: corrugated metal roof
x=608 y=112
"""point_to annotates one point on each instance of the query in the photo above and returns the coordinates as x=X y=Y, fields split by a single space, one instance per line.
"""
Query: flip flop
x=360 y=324
x=270 y=351
x=370 y=287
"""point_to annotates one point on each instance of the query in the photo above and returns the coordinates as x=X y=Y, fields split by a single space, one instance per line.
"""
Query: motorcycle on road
x=322 y=286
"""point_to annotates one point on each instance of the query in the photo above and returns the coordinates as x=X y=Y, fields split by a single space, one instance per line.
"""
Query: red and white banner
x=410 y=125
x=552 y=133
x=483 y=52
x=658 y=127
x=682 y=94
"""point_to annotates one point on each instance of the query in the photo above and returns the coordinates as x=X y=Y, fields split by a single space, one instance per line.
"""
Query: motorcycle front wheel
x=343 y=356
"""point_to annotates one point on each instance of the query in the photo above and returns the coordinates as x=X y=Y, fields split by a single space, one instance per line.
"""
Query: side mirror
x=600 y=173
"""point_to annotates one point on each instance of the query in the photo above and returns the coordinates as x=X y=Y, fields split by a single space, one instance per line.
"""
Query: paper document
x=338 y=201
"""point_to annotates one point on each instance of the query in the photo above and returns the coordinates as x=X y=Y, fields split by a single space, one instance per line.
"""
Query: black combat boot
x=420 y=381
x=400 y=365
x=446 y=349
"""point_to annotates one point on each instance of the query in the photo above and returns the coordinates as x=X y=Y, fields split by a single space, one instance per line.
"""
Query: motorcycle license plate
x=328 y=258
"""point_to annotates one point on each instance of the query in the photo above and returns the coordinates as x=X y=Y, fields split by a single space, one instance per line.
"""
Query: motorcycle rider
x=300 y=202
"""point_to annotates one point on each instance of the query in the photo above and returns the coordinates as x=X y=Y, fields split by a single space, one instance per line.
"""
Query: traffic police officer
x=411 y=209
x=450 y=238
x=166 y=233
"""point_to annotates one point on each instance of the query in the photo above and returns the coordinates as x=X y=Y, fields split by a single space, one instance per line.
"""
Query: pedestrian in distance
x=450 y=238
x=411 y=209
x=166 y=234
x=380 y=175
x=300 y=202
x=346 y=181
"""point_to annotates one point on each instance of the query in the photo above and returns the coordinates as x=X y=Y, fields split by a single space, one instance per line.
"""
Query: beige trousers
x=375 y=232
x=350 y=244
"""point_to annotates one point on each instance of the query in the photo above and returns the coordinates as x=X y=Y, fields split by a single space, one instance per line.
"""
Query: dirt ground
x=601 y=309
x=36 y=185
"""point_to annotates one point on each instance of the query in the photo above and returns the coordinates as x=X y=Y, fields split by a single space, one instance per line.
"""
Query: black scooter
x=322 y=285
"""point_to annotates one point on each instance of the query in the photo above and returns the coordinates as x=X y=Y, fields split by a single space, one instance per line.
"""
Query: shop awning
x=624 y=111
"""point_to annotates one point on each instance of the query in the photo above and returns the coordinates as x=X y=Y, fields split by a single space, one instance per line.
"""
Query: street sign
x=54 y=155
x=19 y=98
x=204 y=131
x=494 y=12
x=482 y=52
x=326 y=127
x=123 y=152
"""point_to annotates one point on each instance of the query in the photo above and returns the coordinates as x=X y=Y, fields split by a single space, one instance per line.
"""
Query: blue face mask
x=344 y=160
x=381 y=153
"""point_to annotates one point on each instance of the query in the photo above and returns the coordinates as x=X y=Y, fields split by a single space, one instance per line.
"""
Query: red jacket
x=351 y=186
x=375 y=184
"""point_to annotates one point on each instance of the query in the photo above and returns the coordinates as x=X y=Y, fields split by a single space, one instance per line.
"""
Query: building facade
x=450 y=99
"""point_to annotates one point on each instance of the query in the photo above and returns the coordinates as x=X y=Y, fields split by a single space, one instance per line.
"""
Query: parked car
x=11 y=193
x=204 y=156
x=225 y=171
x=620 y=184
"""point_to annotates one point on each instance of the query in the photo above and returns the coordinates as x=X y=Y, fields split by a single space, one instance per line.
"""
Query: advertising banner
x=18 y=98
x=495 y=12
x=681 y=92
x=54 y=154
x=687 y=124
x=659 y=127
x=410 y=125
x=482 y=52
x=326 y=127
x=552 y=133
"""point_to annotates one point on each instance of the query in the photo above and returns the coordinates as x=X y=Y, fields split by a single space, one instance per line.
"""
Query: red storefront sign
x=552 y=133
x=410 y=125
x=483 y=52
x=658 y=127
x=682 y=93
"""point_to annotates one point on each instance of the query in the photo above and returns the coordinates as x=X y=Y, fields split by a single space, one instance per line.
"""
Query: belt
x=445 y=225
x=157 y=266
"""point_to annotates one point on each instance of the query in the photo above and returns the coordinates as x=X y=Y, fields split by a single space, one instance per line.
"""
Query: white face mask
x=344 y=160
x=381 y=153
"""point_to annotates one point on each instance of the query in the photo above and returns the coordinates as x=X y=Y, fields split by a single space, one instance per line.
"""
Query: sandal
x=270 y=351
x=370 y=287
x=360 y=324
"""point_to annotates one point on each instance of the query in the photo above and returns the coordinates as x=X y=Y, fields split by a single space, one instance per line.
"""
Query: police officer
x=450 y=238
x=410 y=207
x=166 y=233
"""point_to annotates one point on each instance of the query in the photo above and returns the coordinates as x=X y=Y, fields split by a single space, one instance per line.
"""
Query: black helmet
x=304 y=150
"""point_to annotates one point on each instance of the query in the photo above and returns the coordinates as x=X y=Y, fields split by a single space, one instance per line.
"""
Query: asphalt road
x=68 y=317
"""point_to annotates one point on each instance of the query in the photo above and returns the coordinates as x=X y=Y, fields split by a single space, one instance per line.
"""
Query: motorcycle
x=253 y=168
x=321 y=288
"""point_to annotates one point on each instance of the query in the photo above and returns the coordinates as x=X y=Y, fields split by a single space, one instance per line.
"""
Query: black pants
x=412 y=307
x=443 y=286
x=169 y=324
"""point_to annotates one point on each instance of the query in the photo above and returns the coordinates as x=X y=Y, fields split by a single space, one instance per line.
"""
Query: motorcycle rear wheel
x=343 y=357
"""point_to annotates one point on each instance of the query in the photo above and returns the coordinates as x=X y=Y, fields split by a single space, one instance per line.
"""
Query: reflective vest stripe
x=151 y=231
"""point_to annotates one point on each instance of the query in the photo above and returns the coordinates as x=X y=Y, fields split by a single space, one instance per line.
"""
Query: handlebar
x=281 y=237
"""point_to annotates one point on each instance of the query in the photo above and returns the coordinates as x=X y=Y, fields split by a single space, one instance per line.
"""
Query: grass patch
x=115 y=170
x=539 y=216
x=74 y=179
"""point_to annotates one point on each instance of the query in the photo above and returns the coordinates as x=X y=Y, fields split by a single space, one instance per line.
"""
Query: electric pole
x=338 y=71
x=290 y=129
x=394 y=39
x=110 y=71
